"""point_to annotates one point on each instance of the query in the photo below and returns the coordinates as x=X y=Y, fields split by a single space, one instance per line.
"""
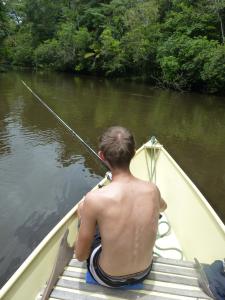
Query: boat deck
x=169 y=279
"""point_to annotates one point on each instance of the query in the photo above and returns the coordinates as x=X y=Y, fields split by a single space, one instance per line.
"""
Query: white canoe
x=196 y=228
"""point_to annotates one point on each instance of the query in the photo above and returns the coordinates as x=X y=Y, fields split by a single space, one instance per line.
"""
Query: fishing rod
x=63 y=123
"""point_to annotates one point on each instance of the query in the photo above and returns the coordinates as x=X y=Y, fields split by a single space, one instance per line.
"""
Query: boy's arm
x=162 y=204
x=87 y=213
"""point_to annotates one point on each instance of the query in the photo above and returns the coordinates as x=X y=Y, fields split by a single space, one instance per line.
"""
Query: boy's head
x=117 y=146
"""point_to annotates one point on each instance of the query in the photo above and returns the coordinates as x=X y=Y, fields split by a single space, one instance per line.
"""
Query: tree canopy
x=175 y=43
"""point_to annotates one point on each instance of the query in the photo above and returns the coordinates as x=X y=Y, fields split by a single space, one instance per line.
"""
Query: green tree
x=66 y=51
x=111 y=54
x=48 y=54
x=140 y=39
x=74 y=44
x=219 y=8
x=3 y=27
x=20 y=48
x=44 y=17
x=182 y=60
x=190 y=38
x=213 y=72
x=192 y=19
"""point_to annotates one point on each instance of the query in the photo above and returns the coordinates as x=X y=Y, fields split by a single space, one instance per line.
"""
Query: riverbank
x=173 y=44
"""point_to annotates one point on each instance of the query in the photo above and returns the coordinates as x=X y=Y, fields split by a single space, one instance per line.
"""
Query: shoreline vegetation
x=177 y=44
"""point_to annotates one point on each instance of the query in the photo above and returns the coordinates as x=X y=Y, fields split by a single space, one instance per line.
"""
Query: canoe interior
x=168 y=279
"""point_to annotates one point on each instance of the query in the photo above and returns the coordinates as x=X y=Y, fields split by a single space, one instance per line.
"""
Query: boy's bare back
x=127 y=213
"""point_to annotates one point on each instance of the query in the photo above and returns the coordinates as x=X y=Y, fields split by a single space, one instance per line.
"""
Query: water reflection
x=40 y=178
x=44 y=171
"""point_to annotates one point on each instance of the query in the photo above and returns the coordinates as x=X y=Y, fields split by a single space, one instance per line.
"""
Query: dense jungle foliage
x=174 y=43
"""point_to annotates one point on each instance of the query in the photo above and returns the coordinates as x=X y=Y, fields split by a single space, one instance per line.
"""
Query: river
x=44 y=171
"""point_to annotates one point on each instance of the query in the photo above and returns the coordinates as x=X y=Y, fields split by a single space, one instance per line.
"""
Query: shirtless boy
x=126 y=213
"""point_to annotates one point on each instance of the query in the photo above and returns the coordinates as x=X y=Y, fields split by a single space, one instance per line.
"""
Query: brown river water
x=44 y=171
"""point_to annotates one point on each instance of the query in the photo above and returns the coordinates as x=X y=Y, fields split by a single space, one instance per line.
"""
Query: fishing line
x=63 y=123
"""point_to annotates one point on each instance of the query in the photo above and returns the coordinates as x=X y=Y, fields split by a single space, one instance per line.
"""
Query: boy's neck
x=121 y=174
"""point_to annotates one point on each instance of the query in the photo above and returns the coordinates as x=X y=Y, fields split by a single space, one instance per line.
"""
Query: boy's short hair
x=118 y=146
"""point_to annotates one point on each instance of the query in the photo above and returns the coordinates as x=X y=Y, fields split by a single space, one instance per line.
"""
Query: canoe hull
x=199 y=230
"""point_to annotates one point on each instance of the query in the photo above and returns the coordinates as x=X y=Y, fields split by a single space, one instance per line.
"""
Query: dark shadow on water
x=31 y=230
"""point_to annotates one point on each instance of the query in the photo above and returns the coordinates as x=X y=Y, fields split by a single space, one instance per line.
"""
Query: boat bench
x=169 y=279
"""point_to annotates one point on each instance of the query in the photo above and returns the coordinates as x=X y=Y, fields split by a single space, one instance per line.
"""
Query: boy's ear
x=101 y=155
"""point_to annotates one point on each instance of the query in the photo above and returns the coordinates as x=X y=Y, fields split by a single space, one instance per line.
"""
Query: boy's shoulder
x=98 y=196
x=148 y=185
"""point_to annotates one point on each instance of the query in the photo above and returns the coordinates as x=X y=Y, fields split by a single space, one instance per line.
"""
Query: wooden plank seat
x=169 y=279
